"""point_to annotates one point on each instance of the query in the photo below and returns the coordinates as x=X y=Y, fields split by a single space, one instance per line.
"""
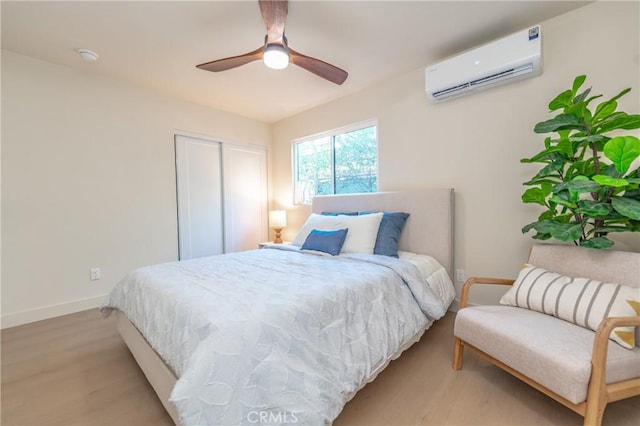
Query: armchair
x=580 y=368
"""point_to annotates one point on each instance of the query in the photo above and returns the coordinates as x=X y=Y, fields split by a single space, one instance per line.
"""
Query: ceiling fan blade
x=274 y=14
x=231 y=62
x=318 y=67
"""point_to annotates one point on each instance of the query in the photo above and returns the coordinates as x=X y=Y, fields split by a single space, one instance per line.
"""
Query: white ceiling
x=158 y=43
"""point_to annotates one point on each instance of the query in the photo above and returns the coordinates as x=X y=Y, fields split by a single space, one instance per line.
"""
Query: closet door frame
x=227 y=176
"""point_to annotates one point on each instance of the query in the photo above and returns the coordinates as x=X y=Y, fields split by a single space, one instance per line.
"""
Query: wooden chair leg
x=597 y=392
x=458 y=350
x=594 y=413
x=596 y=404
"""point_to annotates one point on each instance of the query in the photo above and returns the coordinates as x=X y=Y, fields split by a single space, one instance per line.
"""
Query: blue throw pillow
x=326 y=241
x=389 y=232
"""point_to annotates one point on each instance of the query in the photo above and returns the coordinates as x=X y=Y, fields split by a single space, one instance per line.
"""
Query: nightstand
x=271 y=243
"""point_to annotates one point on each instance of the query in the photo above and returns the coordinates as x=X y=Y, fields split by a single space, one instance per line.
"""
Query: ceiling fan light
x=275 y=56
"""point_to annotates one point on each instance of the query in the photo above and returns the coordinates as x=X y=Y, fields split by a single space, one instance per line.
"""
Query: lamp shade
x=278 y=218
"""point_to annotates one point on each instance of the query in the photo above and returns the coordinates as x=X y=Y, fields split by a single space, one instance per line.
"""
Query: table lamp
x=277 y=220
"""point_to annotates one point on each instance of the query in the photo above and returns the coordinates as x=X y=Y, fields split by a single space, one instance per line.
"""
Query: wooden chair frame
x=599 y=393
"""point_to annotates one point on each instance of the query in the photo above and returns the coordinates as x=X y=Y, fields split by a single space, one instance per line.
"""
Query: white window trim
x=330 y=133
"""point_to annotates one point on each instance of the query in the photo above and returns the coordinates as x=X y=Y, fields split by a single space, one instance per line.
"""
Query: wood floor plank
x=75 y=370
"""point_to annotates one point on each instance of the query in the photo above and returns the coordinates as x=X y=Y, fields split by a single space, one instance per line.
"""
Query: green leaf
x=540 y=236
x=564 y=218
x=542 y=180
x=590 y=138
x=546 y=215
x=580 y=184
x=623 y=121
x=534 y=195
x=588 y=101
x=627 y=207
x=565 y=231
x=586 y=115
x=581 y=97
x=621 y=94
x=622 y=151
x=543 y=156
x=605 y=108
x=563 y=200
x=577 y=83
x=561 y=101
x=528 y=227
x=610 y=181
x=556 y=123
x=593 y=208
x=585 y=168
x=543 y=226
x=612 y=229
x=566 y=147
x=597 y=243
x=551 y=168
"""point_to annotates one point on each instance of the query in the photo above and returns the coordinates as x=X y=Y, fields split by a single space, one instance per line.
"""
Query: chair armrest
x=597 y=384
x=480 y=280
x=601 y=340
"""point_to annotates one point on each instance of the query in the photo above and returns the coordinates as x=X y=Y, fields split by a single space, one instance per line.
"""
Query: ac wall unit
x=507 y=60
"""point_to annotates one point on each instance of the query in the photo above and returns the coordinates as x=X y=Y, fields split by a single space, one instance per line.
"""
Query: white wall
x=88 y=179
x=88 y=165
x=474 y=143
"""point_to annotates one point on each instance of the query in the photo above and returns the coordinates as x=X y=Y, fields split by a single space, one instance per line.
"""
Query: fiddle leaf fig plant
x=589 y=181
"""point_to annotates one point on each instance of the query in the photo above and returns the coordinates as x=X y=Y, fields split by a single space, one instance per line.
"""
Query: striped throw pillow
x=582 y=301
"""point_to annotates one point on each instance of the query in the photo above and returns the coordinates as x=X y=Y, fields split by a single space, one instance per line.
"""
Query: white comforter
x=275 y=336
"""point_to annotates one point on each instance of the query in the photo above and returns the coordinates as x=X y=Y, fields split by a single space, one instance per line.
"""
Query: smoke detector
x=88 y=55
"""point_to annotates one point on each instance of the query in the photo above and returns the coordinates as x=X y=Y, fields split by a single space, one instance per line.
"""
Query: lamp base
x=278 y=237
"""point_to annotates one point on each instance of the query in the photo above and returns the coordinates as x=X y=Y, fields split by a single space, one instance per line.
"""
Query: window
x=339 y=162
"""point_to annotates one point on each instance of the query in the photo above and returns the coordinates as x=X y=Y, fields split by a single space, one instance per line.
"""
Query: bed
x=296 y=347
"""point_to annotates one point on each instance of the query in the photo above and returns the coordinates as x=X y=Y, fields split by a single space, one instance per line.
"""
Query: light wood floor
x=75 y=370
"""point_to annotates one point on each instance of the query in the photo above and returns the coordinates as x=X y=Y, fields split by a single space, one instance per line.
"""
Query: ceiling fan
x=276 y=52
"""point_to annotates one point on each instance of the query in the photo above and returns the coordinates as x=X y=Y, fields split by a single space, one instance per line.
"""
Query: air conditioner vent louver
x=451 y=89
x=507 y=60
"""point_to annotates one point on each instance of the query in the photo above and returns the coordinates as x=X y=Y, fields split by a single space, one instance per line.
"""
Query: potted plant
x=589 y=182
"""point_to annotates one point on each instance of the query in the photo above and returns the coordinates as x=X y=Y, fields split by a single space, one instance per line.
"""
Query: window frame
x=332 y=134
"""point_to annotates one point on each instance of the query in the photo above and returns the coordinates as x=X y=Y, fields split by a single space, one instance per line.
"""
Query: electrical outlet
x=460 y=275
x=95 y=274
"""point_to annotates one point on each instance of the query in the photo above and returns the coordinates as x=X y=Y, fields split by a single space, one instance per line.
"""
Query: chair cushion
x=582 y=301
x=553 y=352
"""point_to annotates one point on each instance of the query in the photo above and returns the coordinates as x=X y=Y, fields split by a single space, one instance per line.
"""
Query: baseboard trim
x=50 y=311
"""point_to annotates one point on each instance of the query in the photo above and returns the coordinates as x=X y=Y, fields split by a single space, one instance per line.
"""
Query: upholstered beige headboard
x=429 y=229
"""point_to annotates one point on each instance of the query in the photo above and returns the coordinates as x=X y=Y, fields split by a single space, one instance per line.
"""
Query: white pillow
x=315 y=221
x=363 y=232
x=581 y=301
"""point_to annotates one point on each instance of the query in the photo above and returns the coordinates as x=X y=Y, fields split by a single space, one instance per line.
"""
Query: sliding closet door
x=199 y=188
x=245 y=196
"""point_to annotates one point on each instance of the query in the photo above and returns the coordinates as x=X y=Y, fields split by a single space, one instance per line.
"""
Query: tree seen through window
x=342 y=163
